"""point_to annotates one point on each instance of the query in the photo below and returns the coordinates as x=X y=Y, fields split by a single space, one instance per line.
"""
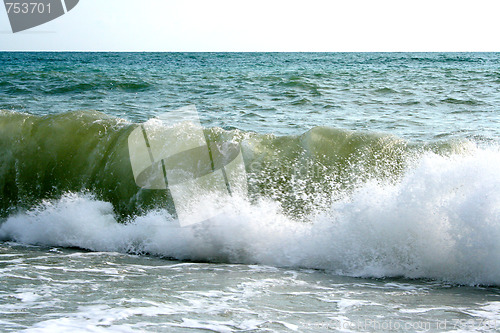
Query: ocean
x=372 y=196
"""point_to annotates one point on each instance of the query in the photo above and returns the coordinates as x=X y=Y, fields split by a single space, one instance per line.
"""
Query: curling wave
x=358 y=204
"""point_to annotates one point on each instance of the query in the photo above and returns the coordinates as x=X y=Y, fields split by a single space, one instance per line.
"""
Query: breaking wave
x=354 y=203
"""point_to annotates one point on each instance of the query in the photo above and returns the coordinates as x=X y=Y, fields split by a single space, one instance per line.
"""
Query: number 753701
x=27 y=7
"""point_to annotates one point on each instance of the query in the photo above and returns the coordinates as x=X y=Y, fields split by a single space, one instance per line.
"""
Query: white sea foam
x=440 y=221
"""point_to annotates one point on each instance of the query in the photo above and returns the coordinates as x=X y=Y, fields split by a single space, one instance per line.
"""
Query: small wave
x=301 y=101
x=302 y=84
x=133 y=86
x=385 y=90
x=17 y=89
x=408 y=103
x=99 y=85
x=75 y=88
x=451 y=100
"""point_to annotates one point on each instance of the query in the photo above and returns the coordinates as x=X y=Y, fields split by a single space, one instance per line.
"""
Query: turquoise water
x=411 y=95
x=373 y=193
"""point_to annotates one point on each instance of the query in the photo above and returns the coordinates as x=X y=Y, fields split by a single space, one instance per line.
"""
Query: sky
x=272 y=25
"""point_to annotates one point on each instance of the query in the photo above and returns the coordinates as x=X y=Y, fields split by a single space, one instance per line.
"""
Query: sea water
x=373 y=194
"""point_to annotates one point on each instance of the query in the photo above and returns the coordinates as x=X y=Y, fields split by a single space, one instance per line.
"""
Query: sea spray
x=441 y=220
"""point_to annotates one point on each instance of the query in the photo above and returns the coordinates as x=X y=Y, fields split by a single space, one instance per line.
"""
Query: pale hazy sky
x=272 y=25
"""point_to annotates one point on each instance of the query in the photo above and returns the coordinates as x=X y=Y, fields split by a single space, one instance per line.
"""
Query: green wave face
x=43 y=157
